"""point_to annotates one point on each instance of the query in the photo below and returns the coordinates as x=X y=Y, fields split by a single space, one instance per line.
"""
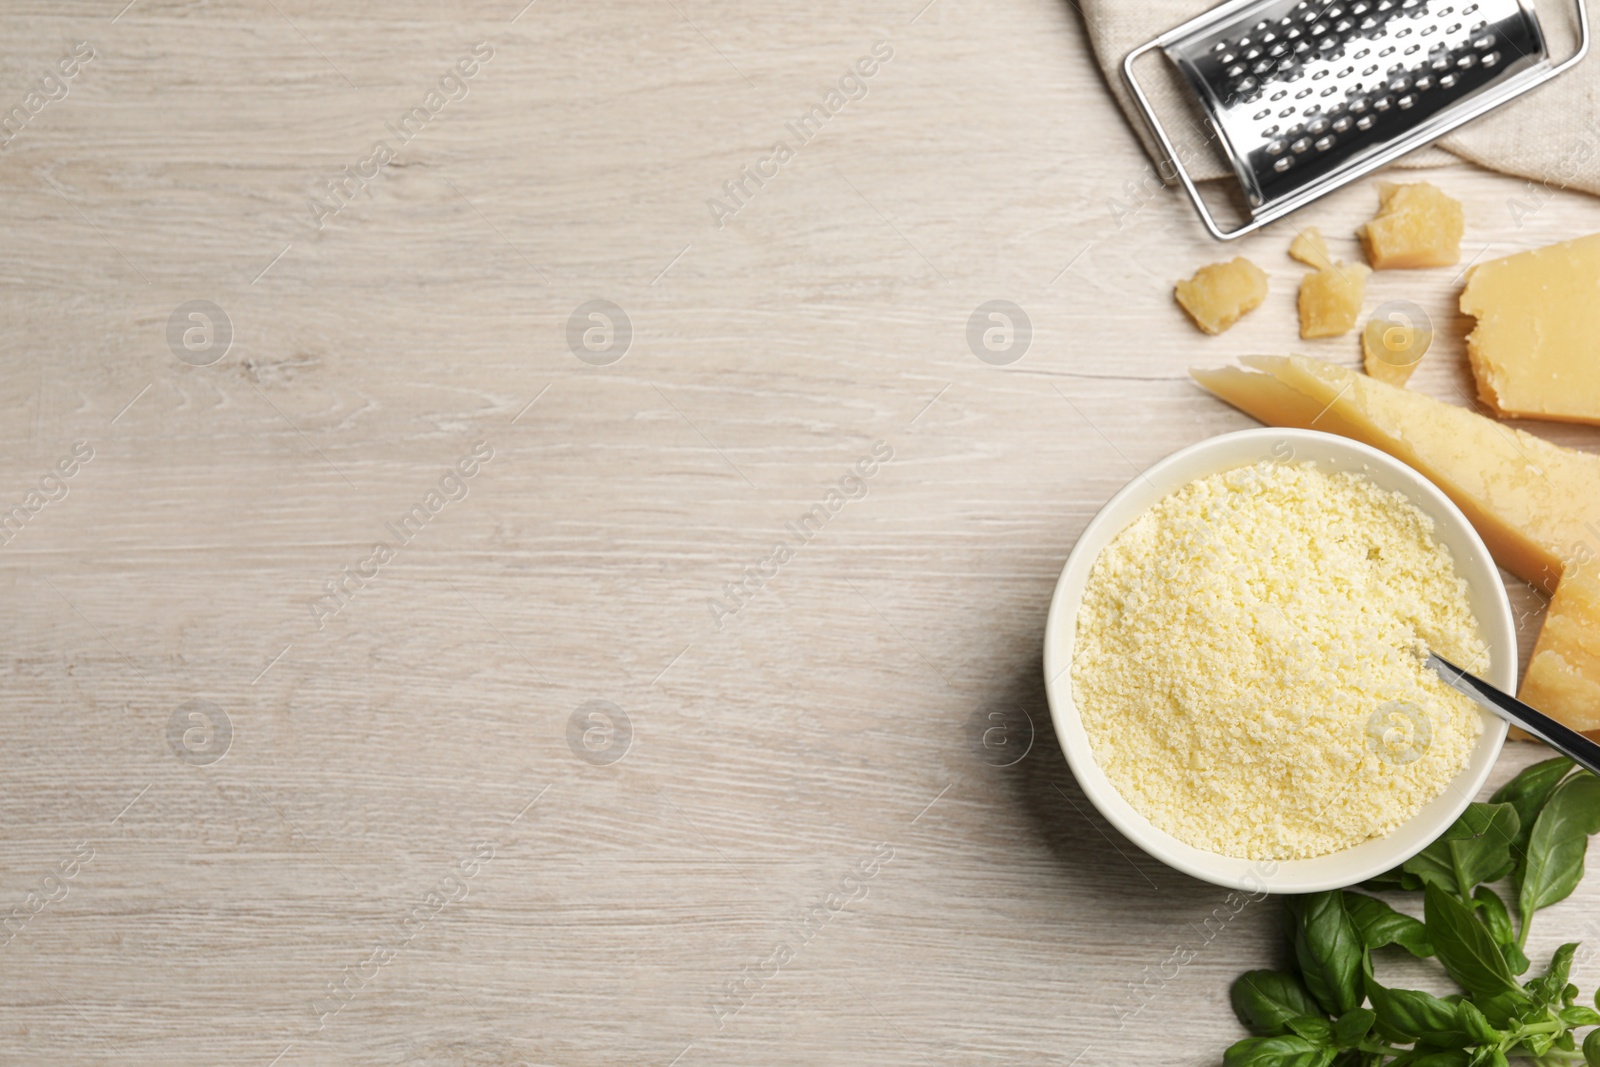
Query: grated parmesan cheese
x=1248 y=664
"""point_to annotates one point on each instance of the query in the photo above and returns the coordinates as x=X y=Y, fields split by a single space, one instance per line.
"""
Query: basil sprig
x=1330 y=1010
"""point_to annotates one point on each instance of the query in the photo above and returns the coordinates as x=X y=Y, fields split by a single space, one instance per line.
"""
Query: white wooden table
x=379 y=837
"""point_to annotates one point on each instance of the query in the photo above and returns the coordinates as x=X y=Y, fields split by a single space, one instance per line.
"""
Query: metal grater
x=1306 y=96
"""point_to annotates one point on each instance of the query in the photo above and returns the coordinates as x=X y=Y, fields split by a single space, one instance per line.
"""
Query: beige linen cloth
x=1551 y=136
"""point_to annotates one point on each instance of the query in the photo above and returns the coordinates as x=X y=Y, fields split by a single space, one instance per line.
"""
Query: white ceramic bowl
x=1331 y=453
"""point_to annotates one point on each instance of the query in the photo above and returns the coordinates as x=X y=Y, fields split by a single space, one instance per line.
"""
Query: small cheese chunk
x=1220 y=294
x=1535 y=504
x=1533 y=350
x=1330 y=300
x=1563 y=678
x=1416 y=226
x=1309 y=248
x=1391 y=350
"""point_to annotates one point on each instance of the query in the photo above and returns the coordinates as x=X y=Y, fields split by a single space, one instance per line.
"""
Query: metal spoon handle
x=1563 y=739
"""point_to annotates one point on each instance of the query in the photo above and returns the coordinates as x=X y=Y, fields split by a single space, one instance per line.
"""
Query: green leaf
x=1538 y=1044
x=1548 y=988
x=1492 y=910
x=1328 y=950
x=1591 y=1045
x=1527 y=792
x=1434 y=1058
x=1265 y=1001
x=1397 y=879
x=1380 y=925
x=1476 y=1025
x=1476 y=848
x=1413 y=1015
x=1465 y=947
x=1354 y=1026
x=1580 y=1016
x=1287 y=1050
x=1313 y=1028
x=1558 y=843
x=1506 y=1010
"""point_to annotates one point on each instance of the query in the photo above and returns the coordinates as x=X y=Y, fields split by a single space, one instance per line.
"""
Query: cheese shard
x=1391 y=350
x=1220 y=294
x=1330 y=300
x=1533 y=350
x=1536 y=504
x=1416 y=226
x=1309 y=248
x=1563 y=677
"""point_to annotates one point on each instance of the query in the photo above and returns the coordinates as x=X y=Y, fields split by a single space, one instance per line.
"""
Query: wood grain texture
x=375 y=751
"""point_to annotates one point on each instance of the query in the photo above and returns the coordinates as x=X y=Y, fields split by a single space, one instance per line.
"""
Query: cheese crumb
x=1391 y=350
x=1220 y=294
x=1309 y=248
x=1249 y=662
x=1330 y=300
x=1416 y=226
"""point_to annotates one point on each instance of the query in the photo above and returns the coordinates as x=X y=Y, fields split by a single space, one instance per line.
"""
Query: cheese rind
x=1536 y=504
x=1563 y=677
x=1533 y=349
x=1220 y=294
x=1330 y=300
x=1416 y=226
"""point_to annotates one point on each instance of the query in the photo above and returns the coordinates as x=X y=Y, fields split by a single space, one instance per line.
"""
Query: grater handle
x=1171 y=150
x=1258 y=221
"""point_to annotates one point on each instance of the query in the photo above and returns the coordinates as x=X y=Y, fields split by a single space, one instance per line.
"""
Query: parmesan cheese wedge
x=1533 y=349
x=1563 y=677
x=1535 y=504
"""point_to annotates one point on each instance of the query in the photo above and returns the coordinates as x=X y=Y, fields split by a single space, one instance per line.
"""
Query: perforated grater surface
x=1305 y=96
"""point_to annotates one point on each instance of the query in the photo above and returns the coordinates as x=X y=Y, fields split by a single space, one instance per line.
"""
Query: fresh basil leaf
x=1569 y=995
x=1558 y=843
x=1353 y=1026
x=1548 y=988
x=1438 y=1058
x=1476 y=1025
x=1397 y=879
x=1591 y=1045
x=1506 y=1010
x=1265 y=1001
x=1286 y=1050
x=1465 y=947
x=1527 y=792
x=1392 y=880
x=1314 y=1028
x=1492 y=910
x=1580 y=1016
x=1380 y=925
x=1329 y=950
x=1476 y=848
x=1538 y=1044
x=1412 y=1015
